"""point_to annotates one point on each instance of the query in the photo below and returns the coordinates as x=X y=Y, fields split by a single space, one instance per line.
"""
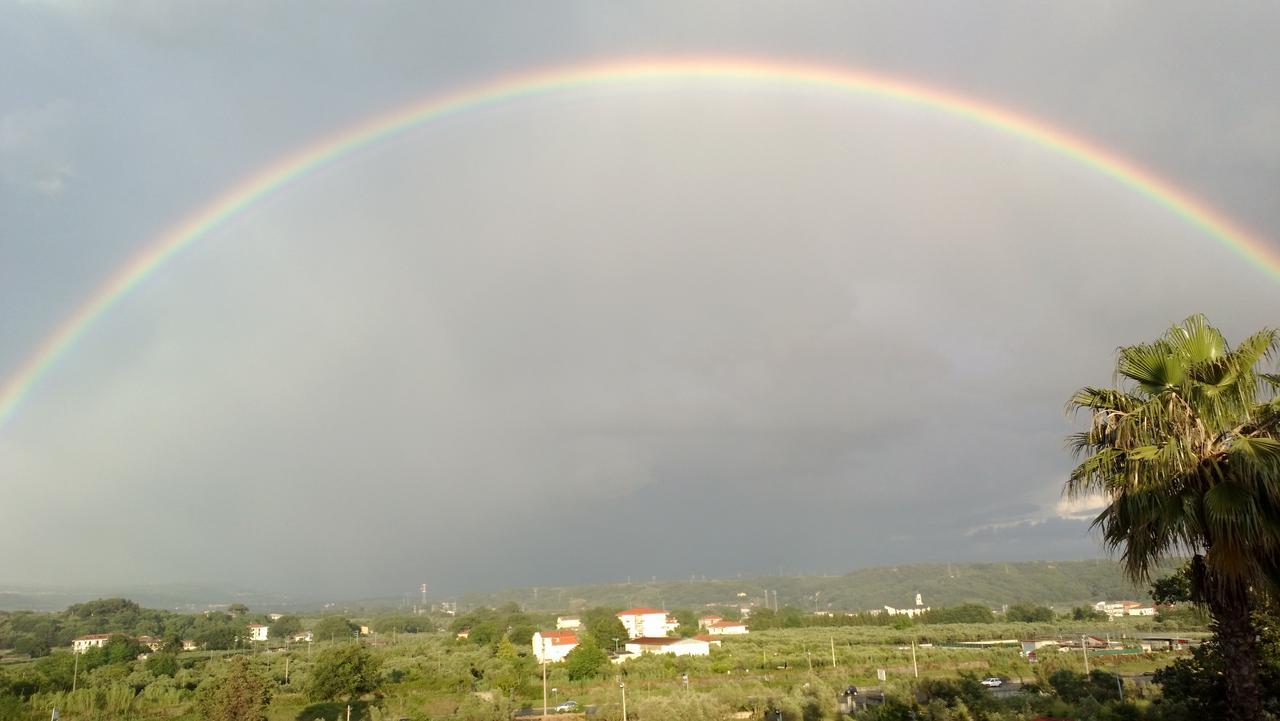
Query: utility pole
x=622 y=685
x=1085 y=651
x=808 y=657
x=544 y=677
x=286 y=670
x=75 y=673
x=914 y=667
x=833 y=652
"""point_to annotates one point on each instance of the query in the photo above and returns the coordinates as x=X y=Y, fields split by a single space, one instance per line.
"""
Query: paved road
x=1009 y=688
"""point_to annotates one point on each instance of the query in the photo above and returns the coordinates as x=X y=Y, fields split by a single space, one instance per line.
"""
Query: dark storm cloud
x=705 y=329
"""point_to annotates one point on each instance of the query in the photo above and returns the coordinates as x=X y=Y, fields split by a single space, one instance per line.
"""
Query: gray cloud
x=696 y=328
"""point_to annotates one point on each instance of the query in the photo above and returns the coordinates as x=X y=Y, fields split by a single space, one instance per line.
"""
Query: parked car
x=567 y=707
x=992 y=682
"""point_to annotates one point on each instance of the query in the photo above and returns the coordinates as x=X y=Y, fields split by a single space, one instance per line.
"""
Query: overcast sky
x=653 y=330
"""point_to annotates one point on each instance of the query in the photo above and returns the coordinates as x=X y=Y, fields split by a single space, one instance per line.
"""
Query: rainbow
x=279 y=174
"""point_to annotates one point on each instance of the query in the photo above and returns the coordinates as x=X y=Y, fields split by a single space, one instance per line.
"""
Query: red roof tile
x=639 y=611
x=559 y=638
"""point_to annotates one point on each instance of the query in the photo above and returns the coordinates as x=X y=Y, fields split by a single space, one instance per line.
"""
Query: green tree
x=1029 y=613
x=1185 y=452
x=163 y=664
x=586 y=661
x=602 y=626
x=688 y=621
x=762 y=619
x=964 y=613
x=217 y=637
x=345 y=671
x=1194 y=687
x=31 y=646
x=241 y=695
x=1084 y=613
x=118 y=649
x=284 y=627
x=238 y=609
x=402 y=623
x=334 y=628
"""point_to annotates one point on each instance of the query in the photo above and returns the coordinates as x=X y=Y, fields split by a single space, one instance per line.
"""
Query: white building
x=1117 y=609
x=553 y=646
x=258 y=632
x=908 y=612
x=673 y=646
x=189 y=645
x=568 y=623
x=93 y=640
x=301 y=636
x=727 y=628
x=646 y=622
x=275 y=616
x=708 y=620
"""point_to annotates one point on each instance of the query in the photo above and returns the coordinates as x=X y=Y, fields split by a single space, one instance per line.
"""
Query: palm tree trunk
x=1232 y=612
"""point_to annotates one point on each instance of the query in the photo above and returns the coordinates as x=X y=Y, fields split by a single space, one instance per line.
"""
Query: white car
x=992 y=682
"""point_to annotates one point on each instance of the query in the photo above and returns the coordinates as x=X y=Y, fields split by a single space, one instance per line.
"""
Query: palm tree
x=1185 y=452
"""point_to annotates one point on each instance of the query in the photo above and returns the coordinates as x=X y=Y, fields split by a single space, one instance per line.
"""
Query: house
x=727 y=628
x=712 y=640
x=673 y=646
x=568 y=623
x=275 y=616
x=708 y=620
x=189 y=645
x=646 y=622
x=257 y=632
x=1029 y=648
x=553 y=646
x=301 y=636
x=366 y=631
x=151 y=642
x=93 y=640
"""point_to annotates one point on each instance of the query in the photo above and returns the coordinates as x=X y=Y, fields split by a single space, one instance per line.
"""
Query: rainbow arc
x=819 y=78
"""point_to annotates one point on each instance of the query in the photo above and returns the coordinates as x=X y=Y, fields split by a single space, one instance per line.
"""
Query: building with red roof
x=553 y=646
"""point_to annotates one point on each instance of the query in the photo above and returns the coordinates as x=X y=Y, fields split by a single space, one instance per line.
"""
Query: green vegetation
x=586 y=661
x=1187 y=454
x=793 y=671
x=239 y=695
x=1056 y=583
x=345 y=671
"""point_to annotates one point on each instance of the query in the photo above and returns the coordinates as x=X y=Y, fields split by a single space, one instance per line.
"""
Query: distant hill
x=175 y=597
x=1056 y=583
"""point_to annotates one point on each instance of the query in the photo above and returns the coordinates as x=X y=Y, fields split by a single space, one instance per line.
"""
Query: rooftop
x=559 y=638
x=640 y=612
